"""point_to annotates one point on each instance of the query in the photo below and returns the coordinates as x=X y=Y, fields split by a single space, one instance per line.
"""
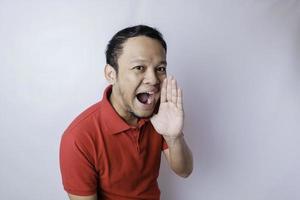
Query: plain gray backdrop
x=237 y=62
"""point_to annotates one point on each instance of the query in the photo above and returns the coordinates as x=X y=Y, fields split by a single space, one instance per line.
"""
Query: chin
x=144 y=114
x=141 y=113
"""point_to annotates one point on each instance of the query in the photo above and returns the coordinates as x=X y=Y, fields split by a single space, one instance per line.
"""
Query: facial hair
x=131 y=111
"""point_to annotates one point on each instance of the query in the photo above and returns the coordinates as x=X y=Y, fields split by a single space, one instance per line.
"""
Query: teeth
x=150 y=92
x=150 y=99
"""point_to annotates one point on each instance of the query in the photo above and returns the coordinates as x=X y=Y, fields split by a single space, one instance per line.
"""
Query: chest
x=130 y=158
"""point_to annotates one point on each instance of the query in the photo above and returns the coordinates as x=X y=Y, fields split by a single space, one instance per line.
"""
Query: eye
x=139 y=68
x=161 y=69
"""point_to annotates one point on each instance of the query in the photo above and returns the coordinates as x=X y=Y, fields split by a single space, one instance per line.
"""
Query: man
x=112 y=150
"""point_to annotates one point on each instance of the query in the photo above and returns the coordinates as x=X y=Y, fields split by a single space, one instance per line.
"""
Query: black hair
x=115 y=46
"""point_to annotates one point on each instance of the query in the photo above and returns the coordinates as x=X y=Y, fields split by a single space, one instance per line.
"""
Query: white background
x=237 y=62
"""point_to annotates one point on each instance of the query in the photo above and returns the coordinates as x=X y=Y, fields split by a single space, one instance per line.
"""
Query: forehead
x=142 y=48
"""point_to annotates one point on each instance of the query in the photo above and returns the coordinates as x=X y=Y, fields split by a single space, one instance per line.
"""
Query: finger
x=174 y=91
x=163 y=93
x=169 y=88
x=179 y=99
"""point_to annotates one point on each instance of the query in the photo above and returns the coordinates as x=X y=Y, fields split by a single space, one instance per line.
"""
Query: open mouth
x=146 y=97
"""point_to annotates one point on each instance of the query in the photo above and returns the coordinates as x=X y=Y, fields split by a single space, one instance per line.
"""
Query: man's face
x=142 y=69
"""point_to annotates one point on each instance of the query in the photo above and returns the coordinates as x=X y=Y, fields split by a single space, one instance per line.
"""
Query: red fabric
x=101 y=153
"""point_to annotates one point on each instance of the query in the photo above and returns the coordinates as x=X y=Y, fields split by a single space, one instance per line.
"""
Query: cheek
x=129 y=91
x=133 y=80
x=162 y=77
x=130 y=83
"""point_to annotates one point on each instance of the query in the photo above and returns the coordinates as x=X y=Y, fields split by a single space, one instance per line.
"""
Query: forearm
x=180 y=156
x=75 y=197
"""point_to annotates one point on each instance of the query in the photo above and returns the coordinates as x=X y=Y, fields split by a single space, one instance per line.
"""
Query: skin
x=75 y=197
x=142 y=67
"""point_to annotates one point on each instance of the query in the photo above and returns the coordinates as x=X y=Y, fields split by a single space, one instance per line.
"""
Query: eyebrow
x=163 y=62
x=143 y=60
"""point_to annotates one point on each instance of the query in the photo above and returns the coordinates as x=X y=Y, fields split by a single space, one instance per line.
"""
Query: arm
x=179 y=156
x=79 y=175
x=169 y=123
x=75 y=197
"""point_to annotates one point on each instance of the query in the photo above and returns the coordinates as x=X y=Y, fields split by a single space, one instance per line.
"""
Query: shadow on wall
x=204 y=87
x=199 y=100
x=290 y=10
x=296 y=57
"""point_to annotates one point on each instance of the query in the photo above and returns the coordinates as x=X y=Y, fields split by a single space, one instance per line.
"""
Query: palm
x=169 y=119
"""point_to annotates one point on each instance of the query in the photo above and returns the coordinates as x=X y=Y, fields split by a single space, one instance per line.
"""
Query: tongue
x=143 y=97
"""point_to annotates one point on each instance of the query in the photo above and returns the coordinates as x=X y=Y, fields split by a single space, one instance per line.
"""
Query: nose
x=151 y=78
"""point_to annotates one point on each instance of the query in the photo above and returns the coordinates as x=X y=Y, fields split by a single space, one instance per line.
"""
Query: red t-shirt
x=101 y=153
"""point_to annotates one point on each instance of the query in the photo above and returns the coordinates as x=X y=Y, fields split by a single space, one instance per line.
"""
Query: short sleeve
x=79 y=176
x=164 y=145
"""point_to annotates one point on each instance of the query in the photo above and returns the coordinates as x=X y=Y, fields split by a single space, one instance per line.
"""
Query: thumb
x=153 y=118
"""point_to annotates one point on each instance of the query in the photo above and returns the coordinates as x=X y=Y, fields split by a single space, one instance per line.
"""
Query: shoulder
x=85 y=123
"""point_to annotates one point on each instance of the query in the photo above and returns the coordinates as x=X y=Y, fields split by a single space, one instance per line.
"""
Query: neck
x=129 y=117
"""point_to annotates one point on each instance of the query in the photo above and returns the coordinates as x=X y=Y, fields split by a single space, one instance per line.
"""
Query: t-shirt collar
x=112 y=119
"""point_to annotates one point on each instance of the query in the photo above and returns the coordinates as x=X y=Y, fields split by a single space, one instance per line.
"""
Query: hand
x=169 y=119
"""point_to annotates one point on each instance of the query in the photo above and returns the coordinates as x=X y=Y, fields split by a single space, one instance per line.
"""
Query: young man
x=113 y=149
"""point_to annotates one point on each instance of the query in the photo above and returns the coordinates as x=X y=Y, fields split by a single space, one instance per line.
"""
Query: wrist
x=172 y=139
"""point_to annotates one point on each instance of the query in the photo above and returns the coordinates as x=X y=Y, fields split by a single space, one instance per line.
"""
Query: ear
x=110 y=74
